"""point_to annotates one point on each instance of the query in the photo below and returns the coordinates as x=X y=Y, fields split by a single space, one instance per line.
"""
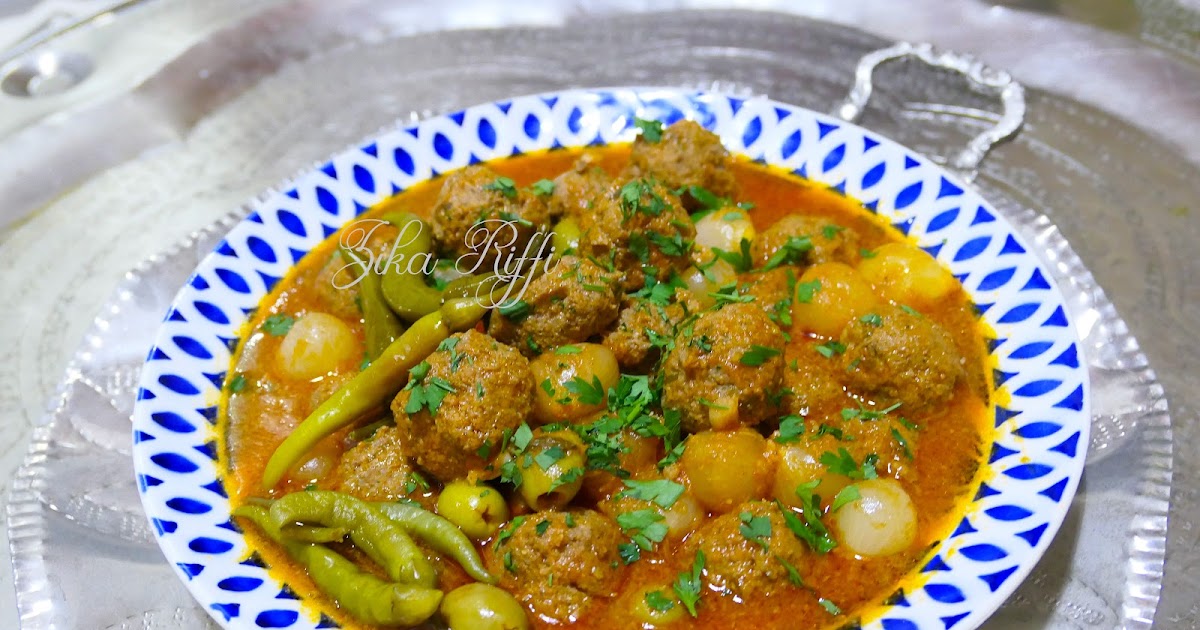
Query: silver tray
x=74 y=517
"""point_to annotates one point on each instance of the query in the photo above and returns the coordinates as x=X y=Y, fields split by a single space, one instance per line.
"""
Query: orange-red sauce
x=947 y=463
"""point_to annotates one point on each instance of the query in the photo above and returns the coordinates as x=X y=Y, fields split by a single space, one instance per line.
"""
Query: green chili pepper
x=370 y=529
x=360 y=594
x=406 y=293
x=440 y=534
x=311 y=534
x=470 y=286
x=381 y=324
x=367 y=391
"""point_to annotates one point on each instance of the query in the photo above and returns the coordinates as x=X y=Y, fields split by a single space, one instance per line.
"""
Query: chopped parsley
x=425 y=391
x=567 y=350
x=541 y=527
x=549 y=457
x=791 y=428
x=793 y=575
x=866 y=253
x=278 y=324
x=830 y=348
x=849 y=494
x=728 y=294
x=644 y=527
x=507 y=531
x=586 y=393
x=806 y=290
x=503 y=185
x=687 y=585
x=910 y=310
x=831 y=231
x=662 y=492
x=659 y=602
x=903 y=442
x=756 y=529
x=758 y=355
x=810 y=529
x=829 y=606
x=843 y=463
x=862 y=413
x=516 y=312
x=792 y=251
x=707 y=200
x=741 y=260
x=542 y=188
x=237 y=383
x=872 y=319
x=632 y=195
x=513 y=217
x=651 y=130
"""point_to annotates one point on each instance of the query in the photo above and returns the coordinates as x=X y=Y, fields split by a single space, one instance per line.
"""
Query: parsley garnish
x=831 y=231
x=504 y=186
x=910 y=310
x=707 y=200
x=516 y=311
x=662 y=492
x=542 y=187
x=237 y=383
x=849 y=494
x=541 y=527
x=651 y=130
x=864 y=414
x=659 y=602
x=278 y=324
x=567 y=350
x=830 y=348
x=872 y=319
x=829 y=606
x=843 y=463
x=728 y=294
x=900 y=439
x=756 y=529
x=741 y=261
x=644 y=527
x=806 y=290
x=810 y=530
x=586 y=393
x=687 y=584
x=758 y=355
x=792 y=251
x=791 y=428
x=793 y=575
x=425 y=392
x=631 y=195
x=508 y=530
x=866 y=253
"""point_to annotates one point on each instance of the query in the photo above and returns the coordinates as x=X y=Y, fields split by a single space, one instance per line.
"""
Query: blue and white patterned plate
x=1041 y=427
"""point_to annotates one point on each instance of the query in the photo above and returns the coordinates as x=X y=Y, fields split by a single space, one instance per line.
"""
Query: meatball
x=772 y=291
x=727 y=370
x=479 y=212
x=812 y=381
x=485 y=388
x=830 y=243
x=574 y=300
x=893 y=356
x=686 y=155
x=576 y=190
x=557 y=568
x=749 y=560
x=378 y=468
x=640 y=227
x=630 y=341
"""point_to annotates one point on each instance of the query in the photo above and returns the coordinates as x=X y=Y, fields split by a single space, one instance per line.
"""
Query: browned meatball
x=741 y=564
x=686 y=155
x=574 y=300
x=485 y=388
x=896 y=356
x=630 y=342
x=640 y=227
x=830 y=243
x=772 y=291
x=576 y=190
x=476 y=212
x=727 y=370
x=557 y=568
x=813 y=382
x=378 y=469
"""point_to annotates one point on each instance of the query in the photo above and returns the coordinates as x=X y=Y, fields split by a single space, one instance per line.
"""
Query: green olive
x=565 y=236
x=656 y=606
x=482 y=607
x=552 y=468
x=477 y=509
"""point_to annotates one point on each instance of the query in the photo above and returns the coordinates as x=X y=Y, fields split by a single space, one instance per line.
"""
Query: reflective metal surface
x=137 y=163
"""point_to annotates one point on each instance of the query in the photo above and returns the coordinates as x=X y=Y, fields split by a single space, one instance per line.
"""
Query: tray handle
x=999 y=82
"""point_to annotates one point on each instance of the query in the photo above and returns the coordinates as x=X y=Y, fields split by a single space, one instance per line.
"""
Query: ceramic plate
x=1041 y=426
